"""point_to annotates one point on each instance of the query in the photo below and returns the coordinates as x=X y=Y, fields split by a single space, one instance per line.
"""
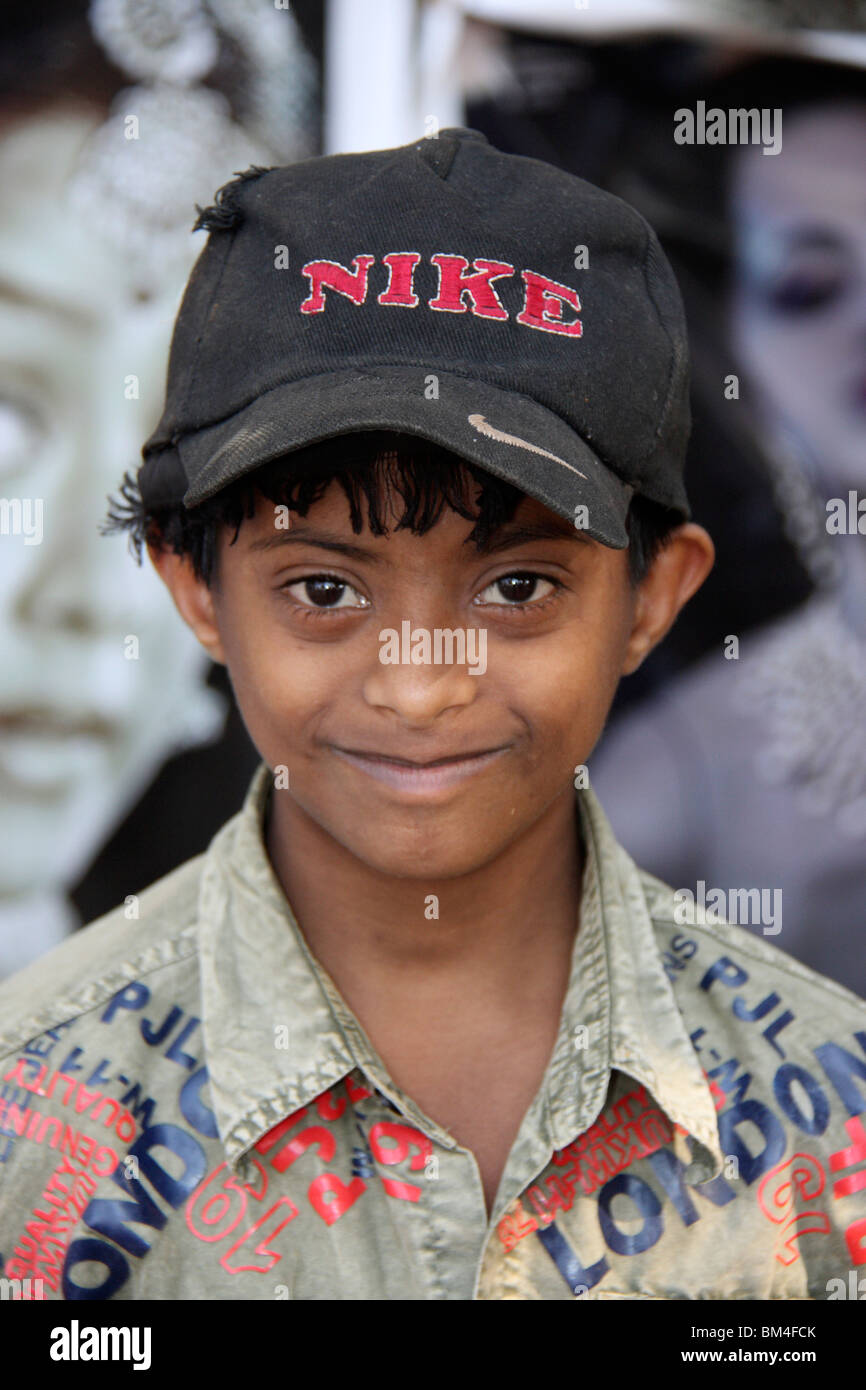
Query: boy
x=414 y=1026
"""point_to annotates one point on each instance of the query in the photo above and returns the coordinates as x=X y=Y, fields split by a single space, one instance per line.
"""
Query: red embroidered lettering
x=454 y=283
x=331 y=274
x=401 y=268
x=543 y=305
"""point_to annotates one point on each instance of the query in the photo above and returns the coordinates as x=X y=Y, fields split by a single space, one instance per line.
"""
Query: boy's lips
x=407 y=774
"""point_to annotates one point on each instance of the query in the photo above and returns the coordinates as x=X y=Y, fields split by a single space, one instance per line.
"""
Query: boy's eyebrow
x=556 y=529
x=506 y=538
x=323 y=539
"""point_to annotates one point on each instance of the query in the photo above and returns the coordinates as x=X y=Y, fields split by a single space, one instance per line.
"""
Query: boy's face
x=427 y=769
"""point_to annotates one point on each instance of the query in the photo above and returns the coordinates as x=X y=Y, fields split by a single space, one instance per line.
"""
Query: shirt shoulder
x=675 y=914
x=783 y=1044
x=149 y=932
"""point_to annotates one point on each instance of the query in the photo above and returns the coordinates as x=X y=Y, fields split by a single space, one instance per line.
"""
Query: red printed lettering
x=219 y=1203
x=313 y=1135
x=332 y=1198
x=260 y=1257
x=329 y=1108
x=844 y=1158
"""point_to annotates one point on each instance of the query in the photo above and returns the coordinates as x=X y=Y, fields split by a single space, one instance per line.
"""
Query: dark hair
x=374 y=467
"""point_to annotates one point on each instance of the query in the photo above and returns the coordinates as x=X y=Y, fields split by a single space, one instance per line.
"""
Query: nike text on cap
x=432 y=289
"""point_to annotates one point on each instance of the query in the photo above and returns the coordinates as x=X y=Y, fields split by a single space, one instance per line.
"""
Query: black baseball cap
x=493 y=304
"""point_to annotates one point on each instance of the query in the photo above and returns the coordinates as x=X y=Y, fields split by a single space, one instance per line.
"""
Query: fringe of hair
x=404 y=480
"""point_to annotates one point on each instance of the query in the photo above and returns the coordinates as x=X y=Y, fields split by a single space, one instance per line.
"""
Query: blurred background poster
x=736 y=757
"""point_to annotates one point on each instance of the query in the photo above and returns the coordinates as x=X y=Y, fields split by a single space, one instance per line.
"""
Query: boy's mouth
x=405 y=774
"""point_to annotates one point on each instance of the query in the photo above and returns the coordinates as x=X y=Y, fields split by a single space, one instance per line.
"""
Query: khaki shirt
x=189 y=1110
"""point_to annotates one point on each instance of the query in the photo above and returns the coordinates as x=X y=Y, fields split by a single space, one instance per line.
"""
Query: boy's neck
x=503 y=927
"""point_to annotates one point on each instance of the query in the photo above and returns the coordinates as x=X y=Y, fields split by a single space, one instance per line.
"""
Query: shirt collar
x=277 y=1032
x=620 y=1011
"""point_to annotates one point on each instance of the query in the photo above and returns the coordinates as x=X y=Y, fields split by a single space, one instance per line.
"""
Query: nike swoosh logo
x=479 y=423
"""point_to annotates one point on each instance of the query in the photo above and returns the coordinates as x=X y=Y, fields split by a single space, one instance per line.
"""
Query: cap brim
x=508 y=434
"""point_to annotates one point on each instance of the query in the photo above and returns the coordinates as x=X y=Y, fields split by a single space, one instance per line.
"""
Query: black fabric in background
x=193 y=795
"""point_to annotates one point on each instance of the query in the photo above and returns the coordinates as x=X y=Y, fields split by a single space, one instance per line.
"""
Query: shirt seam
x=91 y=1008
x=820 y=981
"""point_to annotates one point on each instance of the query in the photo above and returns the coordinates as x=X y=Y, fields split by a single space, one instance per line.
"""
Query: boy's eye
x=520 y=587
x=325 y=591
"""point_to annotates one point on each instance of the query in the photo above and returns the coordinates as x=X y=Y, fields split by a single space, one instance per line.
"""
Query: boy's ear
x=192 y=597
x=678 y=571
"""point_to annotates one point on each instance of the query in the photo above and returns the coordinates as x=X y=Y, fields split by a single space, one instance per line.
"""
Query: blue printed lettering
x=100 y=1076
x=71 y=1063
x=193 y=1108
x=669 y=1170
x=110 y=1217
x=752 y=1112
x=142 y=1110
x=185 y=1147
x=840 y=1066
x=750 y=1015
x=90 y=1251
x=132 y=996
x=776 y=1027
x=731 y=1084
x=174 y=1053
x=725 y=970
x=578 y=1278
x=784 y=1081
x=154 y=1038
x=648 y=1206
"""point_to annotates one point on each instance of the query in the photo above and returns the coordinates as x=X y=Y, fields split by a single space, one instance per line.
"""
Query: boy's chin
x=428 y=858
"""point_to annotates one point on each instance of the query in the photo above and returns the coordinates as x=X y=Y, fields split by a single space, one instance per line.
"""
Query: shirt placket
x=443 y=1231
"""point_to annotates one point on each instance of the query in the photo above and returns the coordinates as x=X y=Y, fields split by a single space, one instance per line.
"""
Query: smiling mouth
x=403 y=774
x=411 y=762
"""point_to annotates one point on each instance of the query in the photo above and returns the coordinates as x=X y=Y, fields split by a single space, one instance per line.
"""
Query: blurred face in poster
x=799 y=306
x=100 y=680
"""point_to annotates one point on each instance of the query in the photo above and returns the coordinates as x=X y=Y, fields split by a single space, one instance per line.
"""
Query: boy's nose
x=420 y=694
